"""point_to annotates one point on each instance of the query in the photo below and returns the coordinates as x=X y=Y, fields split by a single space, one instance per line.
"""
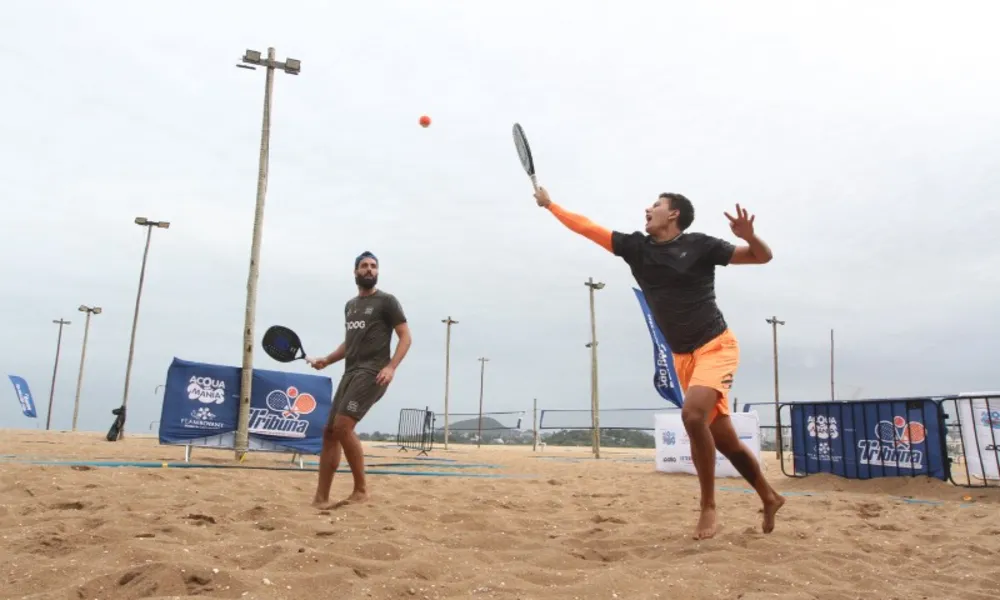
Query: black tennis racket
x=524 y=153
x=282 y=344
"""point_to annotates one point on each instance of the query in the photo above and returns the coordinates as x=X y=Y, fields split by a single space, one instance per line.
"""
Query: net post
x=534 y=426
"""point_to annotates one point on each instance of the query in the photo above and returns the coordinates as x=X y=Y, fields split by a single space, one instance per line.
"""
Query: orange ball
x=425 y=121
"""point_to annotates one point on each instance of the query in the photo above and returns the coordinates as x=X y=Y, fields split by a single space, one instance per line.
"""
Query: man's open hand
x=741 y=224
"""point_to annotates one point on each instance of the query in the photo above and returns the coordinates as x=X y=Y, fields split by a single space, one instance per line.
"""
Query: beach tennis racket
x=524 y=153
x=282 y=344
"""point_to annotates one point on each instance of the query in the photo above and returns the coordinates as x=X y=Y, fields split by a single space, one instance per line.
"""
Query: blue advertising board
x=24 y=397
x=664 y=374
x=287 y=409
x=870 y=438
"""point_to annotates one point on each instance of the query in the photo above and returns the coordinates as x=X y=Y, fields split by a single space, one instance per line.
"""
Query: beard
x=366 y=282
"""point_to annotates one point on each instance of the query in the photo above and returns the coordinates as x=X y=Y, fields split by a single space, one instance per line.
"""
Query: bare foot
x=356 y=497
x=770 y=509
x=706 y=525
x=322 y=504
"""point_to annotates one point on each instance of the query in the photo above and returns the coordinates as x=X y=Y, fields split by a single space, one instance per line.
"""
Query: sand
x=560 y=527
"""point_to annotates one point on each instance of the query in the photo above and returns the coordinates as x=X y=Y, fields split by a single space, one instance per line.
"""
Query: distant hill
x=472 y=425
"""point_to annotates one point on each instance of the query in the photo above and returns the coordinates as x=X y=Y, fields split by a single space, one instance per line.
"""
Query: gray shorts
x=356 y=394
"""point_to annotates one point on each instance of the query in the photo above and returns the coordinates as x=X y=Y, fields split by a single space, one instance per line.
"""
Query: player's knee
x=693 y=416
x=342 y=426
x=329 y=433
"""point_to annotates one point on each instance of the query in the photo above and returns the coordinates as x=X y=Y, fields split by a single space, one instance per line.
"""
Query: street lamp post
x=149 y=225
x=55 y=368
x=251 y=60
x=482 y=375
x=594 y=400
x=90 y=310
x=774 y=322
x=447 y=373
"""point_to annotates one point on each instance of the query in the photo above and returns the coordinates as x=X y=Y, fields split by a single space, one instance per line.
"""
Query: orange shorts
x=713 y=366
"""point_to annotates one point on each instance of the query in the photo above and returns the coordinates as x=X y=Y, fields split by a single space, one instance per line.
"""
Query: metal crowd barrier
x=972 y=423
x=954 y=438
x=416 y=430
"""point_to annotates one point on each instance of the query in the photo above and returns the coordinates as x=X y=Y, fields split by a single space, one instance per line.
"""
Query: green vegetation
x=494 y=432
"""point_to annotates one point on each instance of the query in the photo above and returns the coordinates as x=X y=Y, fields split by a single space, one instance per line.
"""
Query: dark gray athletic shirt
x=369 y=322
x=678 y=280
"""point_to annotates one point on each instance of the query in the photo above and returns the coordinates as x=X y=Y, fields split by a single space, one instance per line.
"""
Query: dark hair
x=362 y=256
x=681 y=204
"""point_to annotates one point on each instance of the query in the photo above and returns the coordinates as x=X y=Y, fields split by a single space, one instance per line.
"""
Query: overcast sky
x=864 y=136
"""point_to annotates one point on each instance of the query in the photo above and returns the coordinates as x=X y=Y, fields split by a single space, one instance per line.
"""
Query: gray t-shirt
x=369 y=322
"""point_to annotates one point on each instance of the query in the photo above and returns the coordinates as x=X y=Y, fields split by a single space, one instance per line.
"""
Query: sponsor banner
x=673 y=448
x=202 y=400
x=869 y=438
x=24 y=397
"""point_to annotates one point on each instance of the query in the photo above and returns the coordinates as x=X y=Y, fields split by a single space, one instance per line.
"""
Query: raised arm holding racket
x=675 y=269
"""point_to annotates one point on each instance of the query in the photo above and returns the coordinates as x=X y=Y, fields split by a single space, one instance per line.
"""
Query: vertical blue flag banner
x=287 y=410
x=664 y=374
x=868 y=439
x=24 y=396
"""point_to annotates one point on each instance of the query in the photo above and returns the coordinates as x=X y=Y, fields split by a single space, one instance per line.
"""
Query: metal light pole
x=149 y=225
x=482 y=374
x=55 y=367
x=447 y=372
x=831 y=366
x=292 y=67
x=774 y=322
x=594 y=400
x=534 y=426
x=90 y=310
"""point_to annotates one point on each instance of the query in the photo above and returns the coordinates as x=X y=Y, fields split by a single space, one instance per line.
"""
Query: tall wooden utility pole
x=55 y=368
x=482 y=374
x=251 y=60
x=831 y=367
x=447 y=372
x=595 y=404
x=777 y=412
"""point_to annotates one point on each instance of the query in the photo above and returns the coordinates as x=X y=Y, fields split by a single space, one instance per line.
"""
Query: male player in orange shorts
x=676 y=272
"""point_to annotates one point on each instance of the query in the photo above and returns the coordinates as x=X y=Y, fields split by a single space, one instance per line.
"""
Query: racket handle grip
x=534 y=182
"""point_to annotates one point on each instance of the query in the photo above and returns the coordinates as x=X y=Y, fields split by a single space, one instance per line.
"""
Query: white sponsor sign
x=673 y=448
x=981 y=434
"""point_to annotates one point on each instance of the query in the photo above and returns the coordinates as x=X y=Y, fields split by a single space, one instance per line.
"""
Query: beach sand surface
x=491 y=522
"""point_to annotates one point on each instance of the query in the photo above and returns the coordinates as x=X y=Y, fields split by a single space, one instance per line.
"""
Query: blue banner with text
x=286 y=409
x=664 y=374
x=866 y=439
x=24 y=396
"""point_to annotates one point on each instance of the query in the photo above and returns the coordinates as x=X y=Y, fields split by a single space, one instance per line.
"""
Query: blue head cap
x=362 y=256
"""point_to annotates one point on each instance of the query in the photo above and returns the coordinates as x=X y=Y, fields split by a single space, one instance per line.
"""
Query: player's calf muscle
x=744 y=463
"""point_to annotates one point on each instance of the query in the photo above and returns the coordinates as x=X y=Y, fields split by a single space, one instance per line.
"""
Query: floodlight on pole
x=149 y=225
x=90 y=310
x=251 y=60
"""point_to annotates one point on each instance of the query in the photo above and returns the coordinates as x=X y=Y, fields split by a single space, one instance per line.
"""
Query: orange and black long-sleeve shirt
x=677 y=277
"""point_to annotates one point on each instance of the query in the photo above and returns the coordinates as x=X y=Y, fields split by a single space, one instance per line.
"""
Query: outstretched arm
x=756 y=252
x=575 y=222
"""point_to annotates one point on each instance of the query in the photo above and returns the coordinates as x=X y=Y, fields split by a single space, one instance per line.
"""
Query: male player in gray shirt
x=370 y=317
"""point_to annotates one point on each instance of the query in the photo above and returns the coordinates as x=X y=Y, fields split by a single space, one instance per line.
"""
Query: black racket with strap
x=282 y=344
x=524 y=153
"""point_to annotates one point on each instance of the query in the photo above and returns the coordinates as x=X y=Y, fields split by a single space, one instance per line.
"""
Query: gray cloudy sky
x=864 y=138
